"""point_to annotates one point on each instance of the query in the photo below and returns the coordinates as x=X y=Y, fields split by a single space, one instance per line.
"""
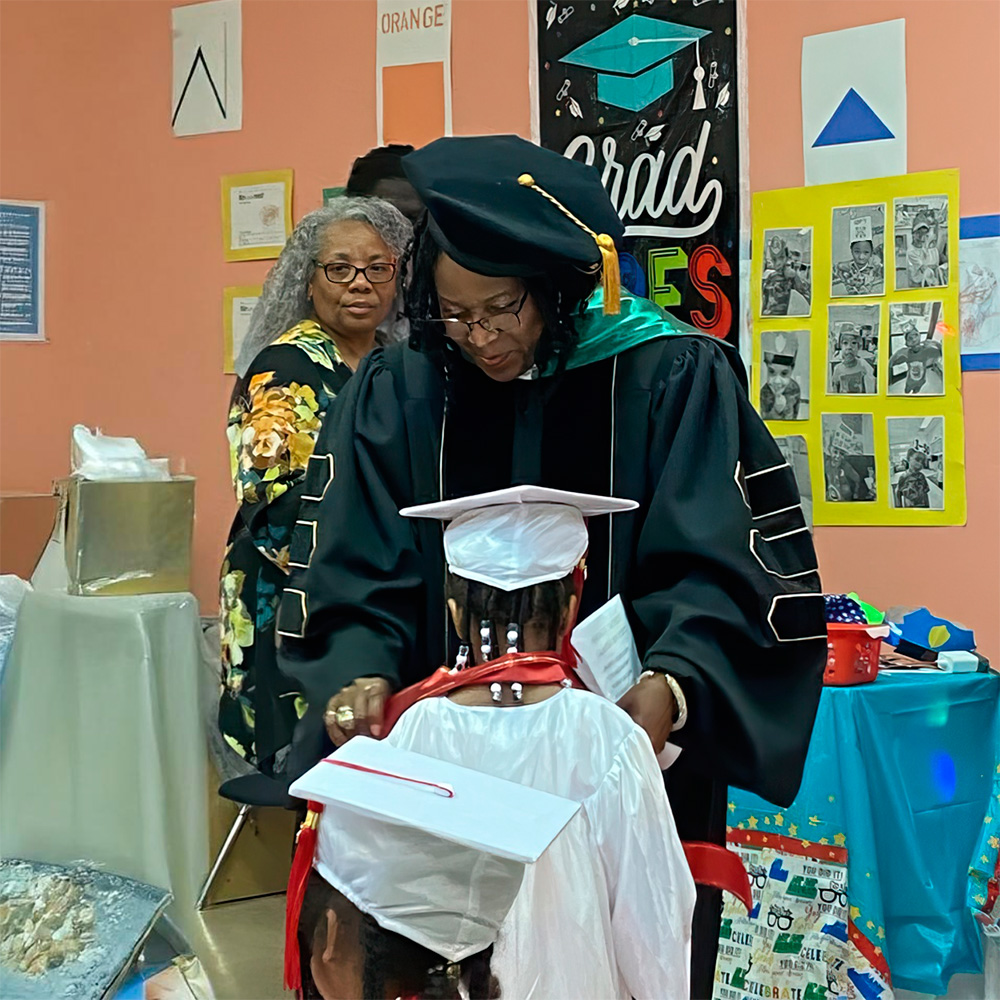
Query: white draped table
x=102 y=746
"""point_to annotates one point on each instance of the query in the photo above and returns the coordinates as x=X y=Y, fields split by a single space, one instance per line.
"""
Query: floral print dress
x=276 y=412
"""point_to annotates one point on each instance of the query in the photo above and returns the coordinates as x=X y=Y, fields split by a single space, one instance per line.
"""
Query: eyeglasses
x=835 y=894
x=502 y=322
x=342 y=273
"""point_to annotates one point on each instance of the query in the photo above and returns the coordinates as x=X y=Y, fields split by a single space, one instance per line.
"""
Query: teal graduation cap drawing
x=634 y=59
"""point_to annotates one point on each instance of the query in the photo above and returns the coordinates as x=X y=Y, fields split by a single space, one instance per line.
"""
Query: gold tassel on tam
x=611 y=279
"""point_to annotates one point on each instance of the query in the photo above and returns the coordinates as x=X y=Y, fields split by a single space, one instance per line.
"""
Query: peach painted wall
x=135 y=270
x=953 y=117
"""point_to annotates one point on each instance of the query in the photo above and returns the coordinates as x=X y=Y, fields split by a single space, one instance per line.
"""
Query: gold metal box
x=127 y=536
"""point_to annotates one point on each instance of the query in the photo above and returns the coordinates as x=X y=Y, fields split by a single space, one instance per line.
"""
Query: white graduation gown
x=606 y=911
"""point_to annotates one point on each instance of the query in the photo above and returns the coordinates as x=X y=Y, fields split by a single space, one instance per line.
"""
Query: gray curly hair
x=283 y=301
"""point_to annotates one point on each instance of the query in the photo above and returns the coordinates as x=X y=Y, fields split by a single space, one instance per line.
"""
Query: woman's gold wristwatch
x=680 y=702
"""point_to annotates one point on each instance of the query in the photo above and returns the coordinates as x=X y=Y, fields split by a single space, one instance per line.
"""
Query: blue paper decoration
x=853 y=121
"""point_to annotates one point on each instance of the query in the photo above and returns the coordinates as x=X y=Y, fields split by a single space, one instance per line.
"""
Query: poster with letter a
x=413 y=71
x=648 y=95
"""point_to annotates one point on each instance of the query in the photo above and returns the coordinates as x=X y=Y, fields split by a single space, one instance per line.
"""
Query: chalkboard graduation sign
x=647 y=94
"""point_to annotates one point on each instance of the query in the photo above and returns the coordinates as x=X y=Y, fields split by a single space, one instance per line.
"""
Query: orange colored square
x=413 y=103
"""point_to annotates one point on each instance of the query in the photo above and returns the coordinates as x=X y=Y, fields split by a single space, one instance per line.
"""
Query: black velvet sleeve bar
x=357 y=609
x=725 y=585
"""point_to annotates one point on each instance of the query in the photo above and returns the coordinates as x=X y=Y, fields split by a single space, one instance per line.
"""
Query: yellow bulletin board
x=256 y=214
x=877 y=394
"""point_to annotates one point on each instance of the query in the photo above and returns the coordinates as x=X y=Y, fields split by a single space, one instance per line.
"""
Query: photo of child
x=795 y=450
x=916 y=462
x=849 y=457
x=915 y=355
x=784 y=390
x=921 y=240
x=786 y=282
x=852 y=350
x=858 y=251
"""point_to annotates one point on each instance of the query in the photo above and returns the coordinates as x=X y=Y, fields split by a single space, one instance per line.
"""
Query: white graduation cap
x=861 y=229
x=431 y=850
x=519 y=536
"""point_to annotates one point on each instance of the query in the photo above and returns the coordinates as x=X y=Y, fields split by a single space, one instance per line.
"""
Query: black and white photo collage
x=866 y=340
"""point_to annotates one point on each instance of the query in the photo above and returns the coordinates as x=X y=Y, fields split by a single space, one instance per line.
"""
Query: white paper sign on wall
x=208 y=68
x=854 y=103
x=414 y=34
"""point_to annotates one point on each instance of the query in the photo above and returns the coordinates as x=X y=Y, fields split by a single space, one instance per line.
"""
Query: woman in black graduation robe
x=716 y=567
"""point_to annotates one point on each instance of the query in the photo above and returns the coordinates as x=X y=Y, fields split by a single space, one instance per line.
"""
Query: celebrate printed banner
x=647 y=94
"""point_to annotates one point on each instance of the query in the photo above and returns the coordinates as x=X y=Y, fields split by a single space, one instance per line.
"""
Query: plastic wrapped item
x=12 y=591
x=127 y=536
x=991 y=959
x=97 y=456
x=70 y=930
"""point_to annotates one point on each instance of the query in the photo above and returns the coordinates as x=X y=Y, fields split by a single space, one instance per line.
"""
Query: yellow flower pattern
x=275 y=417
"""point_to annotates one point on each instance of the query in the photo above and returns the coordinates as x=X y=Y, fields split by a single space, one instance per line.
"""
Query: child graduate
x=606 y=911
x=527 y=363
x=863 y=274
x=851 y=372
x=781 y=394
x=926 y=267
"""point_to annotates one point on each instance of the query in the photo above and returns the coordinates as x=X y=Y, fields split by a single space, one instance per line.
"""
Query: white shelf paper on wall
x=854 y=103
x=208 y=68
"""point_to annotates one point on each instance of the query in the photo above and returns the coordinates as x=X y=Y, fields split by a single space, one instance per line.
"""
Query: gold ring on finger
x=344 y=717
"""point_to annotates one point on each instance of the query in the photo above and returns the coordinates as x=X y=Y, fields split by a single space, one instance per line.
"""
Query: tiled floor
x=244 y=953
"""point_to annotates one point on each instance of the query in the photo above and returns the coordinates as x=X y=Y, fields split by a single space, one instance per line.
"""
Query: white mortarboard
x=786 y=348
x=519 y=536
x=861 y=229
x=442 y=870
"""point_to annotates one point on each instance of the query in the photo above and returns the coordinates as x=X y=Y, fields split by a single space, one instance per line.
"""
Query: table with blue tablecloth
x=861 y=884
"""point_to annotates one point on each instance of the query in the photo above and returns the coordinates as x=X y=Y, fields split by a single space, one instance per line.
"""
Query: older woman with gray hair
x=318 y=316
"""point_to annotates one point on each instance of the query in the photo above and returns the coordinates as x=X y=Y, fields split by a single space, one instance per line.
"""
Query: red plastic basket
x=852 y=653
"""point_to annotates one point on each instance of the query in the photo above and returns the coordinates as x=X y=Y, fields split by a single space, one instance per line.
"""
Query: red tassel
x=717 y=866
x=298 y=877
x=568 y=653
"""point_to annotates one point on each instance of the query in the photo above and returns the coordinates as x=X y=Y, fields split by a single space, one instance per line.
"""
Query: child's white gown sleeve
x=649 y=883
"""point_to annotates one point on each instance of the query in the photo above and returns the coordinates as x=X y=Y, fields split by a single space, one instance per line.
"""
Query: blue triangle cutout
x=853 y=121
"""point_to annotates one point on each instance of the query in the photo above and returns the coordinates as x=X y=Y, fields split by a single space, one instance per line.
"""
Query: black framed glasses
x=506 y=321
x=835 y=894
x=341 y=273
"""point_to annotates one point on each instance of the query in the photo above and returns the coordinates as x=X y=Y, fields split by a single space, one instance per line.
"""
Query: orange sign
x=413 y=71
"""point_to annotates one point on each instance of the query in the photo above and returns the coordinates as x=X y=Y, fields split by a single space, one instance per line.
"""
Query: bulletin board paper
x=256 y=214
x=238 y=303
x=879 y=430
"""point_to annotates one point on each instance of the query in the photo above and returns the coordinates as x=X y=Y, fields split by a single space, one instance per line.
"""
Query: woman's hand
x=651 y=705
x=357 y=708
